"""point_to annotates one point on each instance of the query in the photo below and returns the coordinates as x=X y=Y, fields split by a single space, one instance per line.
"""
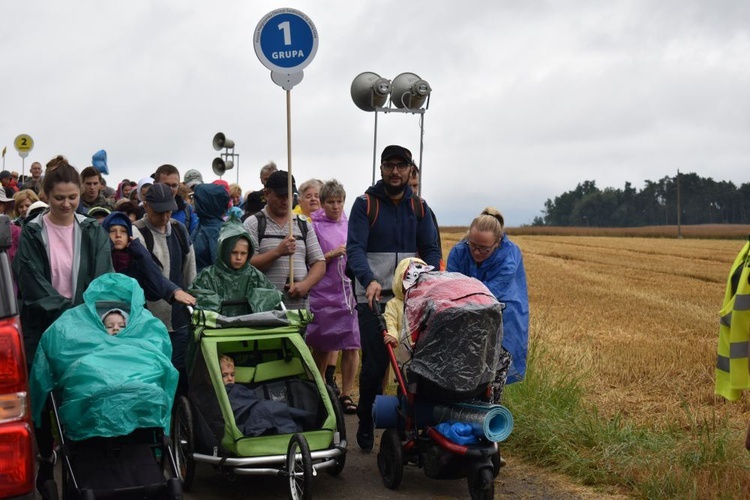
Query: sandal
x=348 y=405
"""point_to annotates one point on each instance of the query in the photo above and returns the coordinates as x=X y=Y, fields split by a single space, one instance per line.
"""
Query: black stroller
x=449 y=349
x=139 y=465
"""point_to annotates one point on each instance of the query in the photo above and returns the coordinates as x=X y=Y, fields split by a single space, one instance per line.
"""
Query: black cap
x=396 y=151
x=5 y=174
x=160 y=198
x=279 y=182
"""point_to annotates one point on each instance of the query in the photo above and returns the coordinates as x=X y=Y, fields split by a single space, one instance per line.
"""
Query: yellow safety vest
x=732 y=366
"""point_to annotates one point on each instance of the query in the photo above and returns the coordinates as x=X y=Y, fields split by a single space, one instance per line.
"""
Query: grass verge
x=556 y=428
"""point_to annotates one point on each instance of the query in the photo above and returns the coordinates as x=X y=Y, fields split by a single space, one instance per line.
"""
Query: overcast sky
x=529 y=97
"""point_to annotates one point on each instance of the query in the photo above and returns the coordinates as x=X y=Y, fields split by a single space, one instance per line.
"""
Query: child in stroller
x=115 y=392
x=254 y=415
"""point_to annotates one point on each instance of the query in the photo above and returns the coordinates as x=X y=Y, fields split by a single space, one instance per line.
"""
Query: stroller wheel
x=481 y=484
x=299 y=468
x=341 y=429
x=390 y=459
x=184 y=442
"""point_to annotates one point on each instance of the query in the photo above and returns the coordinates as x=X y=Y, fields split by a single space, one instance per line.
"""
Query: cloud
x=529 y=98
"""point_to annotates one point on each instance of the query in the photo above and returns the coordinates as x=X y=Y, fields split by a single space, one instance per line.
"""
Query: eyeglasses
x=480 y=249
x=402 y=167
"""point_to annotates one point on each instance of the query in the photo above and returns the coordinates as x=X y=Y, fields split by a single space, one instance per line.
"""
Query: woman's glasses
x=480 y=249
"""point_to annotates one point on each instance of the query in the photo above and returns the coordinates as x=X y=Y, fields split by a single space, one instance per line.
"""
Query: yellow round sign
x=24 y=144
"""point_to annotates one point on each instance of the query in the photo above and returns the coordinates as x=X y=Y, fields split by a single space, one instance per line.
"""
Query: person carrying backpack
x=386 y=225
x=269 y=231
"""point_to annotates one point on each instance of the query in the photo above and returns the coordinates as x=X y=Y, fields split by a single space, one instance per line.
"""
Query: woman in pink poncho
x=334 y=327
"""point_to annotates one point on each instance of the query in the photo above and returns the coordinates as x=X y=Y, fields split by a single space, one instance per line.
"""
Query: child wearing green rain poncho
x=233 y=278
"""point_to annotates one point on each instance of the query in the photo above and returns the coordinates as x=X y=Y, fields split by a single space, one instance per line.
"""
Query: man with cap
x=192 y=178
x=169 y=175
x=5 y=178
x=169 y=244
x=378 y=240
x=269 y=232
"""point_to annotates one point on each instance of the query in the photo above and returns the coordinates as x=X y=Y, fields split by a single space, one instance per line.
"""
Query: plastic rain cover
x=456 y=324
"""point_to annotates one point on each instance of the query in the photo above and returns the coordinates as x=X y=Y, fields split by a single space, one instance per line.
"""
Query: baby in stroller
x=115 y=320
x=107 y=364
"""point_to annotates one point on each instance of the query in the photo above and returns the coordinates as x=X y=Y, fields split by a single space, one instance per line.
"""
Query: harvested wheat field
x=638 y=318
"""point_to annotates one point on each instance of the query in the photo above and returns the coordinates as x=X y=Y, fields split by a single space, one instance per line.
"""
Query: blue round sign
x=286 y=41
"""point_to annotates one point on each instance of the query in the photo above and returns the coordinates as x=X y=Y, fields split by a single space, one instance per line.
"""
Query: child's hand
x=389 y=339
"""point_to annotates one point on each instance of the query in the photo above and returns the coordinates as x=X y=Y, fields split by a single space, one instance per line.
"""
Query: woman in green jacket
x=59 y=254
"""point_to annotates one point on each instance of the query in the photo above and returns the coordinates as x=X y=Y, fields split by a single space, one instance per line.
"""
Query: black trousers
x=374 y=363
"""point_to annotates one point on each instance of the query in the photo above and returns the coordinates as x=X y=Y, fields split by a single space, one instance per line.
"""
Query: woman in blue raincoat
x=487 y=254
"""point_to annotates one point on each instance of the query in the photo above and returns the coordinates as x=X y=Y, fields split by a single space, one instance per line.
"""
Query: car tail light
x=13 y=376
x=16 y=448
x=16 y=459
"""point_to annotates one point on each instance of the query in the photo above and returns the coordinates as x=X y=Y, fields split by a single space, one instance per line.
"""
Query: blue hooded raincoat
x=504 y=274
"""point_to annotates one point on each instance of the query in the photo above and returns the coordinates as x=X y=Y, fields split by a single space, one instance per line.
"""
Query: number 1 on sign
x=287 y=32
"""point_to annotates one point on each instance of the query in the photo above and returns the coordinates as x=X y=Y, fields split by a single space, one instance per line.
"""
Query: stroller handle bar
x=384 y=330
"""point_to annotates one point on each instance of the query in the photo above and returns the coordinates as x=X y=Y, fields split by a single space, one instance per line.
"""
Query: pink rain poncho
x=334 y=326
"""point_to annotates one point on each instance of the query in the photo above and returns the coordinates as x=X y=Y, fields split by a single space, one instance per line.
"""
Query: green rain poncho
x=107 y=385
x=220 y=282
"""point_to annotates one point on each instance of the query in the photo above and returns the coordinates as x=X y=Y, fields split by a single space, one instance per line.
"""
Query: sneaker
x=366 y=436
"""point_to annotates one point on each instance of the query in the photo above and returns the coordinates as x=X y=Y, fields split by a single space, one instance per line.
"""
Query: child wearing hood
x=131 y=258
x=115 y=320
x=405 y=276
x=233 y=278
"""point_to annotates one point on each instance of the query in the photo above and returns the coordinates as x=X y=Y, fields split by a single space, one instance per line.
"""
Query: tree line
x=701 y=200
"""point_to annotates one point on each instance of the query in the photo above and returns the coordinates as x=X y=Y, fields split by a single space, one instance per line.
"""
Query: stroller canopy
x=109 y=385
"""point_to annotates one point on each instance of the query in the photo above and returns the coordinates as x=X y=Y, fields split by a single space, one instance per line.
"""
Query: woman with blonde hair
x=22 y=201
x=486 y=253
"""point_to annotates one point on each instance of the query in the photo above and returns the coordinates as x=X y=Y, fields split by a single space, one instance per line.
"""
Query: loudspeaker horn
x=219 y=166
x=370 y=91
x=409 y=91
x=221 y=142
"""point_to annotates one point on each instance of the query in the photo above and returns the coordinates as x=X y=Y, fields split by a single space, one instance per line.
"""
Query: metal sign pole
x=290 y=196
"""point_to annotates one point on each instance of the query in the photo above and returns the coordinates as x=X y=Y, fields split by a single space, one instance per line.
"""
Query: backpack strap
x=373 y=207
x=262 y=222
x=182 y=237
x=148 y=238
x=261 y=217
x=417 y=205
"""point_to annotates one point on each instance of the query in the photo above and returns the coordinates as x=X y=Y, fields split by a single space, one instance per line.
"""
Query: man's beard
x=394 y=190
